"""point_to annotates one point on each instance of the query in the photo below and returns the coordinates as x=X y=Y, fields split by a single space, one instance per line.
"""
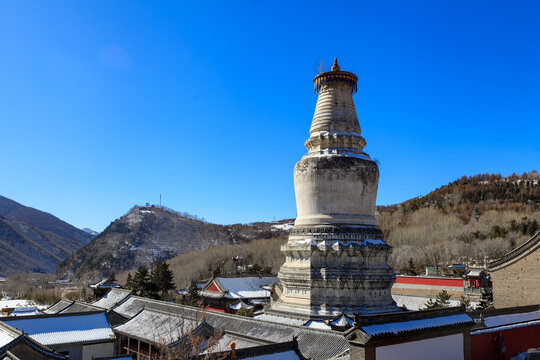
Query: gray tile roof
x=78 y=307
x=246 y=287
x=112 y=298
x=58 y=306
x=158 y=327
x=312 y=343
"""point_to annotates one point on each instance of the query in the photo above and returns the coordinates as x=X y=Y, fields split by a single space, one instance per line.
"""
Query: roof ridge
x=44 y=316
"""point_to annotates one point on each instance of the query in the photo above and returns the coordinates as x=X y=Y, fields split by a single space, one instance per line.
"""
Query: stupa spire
x=335 y=67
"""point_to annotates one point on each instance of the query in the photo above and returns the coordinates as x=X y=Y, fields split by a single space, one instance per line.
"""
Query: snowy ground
x=419 y=302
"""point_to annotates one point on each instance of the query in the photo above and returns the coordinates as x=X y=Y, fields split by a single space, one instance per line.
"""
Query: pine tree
x=443 y=299
x=486 y=301
x=193 y=293
x=465 y=302
x=431 y=304
x=162 y=278
x=141 y=281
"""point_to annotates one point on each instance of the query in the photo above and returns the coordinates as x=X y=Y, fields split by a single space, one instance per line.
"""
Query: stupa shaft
x=336 y=258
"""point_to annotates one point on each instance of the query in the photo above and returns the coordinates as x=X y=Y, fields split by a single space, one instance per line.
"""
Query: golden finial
x=335 y=67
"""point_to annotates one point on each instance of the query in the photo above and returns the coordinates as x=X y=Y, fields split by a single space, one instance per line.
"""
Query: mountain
x=149 y=233
x=471 y=220
x=14 y=211
x=90 y=231
x=34 y=241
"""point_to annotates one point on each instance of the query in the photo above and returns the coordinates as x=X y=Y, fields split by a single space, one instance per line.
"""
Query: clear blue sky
x=107 y=104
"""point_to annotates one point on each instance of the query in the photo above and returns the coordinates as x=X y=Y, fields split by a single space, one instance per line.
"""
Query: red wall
x=218 y=309
x=488 y=346
x=429 y=281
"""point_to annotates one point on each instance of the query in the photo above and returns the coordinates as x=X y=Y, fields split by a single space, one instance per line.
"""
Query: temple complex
x=336 y=257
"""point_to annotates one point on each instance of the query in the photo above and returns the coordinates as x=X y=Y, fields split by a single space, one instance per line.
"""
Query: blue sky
x=107 y=104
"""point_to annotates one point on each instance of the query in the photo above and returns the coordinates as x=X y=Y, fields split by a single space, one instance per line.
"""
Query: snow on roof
x=211 y=294
x=259 y=301
x=224 y=344
x=283 y=355
x=79 y=307
x=342 y=321
x=317 y=324
x=401 y=326
x=505 y=327
x=58 y=306
x=507 y=319
x=25 y=311
x=7 y=336
x=475 y=272
x=103 y=281
x=55 y=330
x=112 y=298
x=246 y=287
x=158 y=327
x=312 y=343
x=239 y=305
x=280 y=320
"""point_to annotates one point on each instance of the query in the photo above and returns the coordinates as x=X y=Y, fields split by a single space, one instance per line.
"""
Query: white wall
x=441 y=348
x=98 y=350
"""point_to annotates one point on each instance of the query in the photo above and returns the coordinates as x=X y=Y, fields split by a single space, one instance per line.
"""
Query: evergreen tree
x=486 y=301
x=141 y=281
x=465 y=302
x=443 y=299
x=431 y=304
x=193 y=295
x=162 y=278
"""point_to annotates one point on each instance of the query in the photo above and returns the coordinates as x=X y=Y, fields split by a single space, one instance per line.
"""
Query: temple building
x=336 y=257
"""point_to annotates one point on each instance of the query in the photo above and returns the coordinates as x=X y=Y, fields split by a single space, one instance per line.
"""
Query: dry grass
x=198 y=264
x=430 y=236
